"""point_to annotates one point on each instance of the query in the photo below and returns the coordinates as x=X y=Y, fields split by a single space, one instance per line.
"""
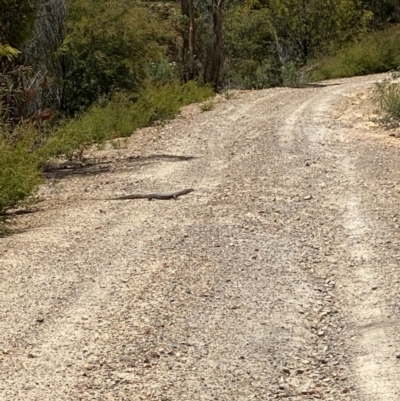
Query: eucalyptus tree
x=200 y=30
x=312 y=27
x=384 y=11
x=16 y=21
x=44 y=86
x=216 y=64
x=266 y=39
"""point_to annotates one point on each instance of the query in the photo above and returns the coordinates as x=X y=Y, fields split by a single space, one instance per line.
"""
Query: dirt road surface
x=277 y=278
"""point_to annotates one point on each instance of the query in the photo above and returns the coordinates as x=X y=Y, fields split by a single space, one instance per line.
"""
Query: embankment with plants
x=24 y=153
x=372 y=53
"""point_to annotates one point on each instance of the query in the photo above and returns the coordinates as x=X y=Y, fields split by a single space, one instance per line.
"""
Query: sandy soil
x=277 y=278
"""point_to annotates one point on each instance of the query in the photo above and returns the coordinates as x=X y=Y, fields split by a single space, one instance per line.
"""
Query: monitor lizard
x=161 y=196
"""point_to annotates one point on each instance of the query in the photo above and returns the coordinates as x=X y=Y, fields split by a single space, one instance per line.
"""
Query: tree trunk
x=374 y=14
x=192 y=41
x=396 y=10
x=217 y=45
x=183 y=4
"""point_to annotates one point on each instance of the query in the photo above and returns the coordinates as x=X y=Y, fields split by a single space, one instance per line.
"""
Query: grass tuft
x=387 y=98
x=207 y=106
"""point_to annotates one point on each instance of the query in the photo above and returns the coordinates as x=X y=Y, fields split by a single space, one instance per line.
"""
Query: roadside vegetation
x=374 y=52
x=19 y=168
x=80 y=72
x=121 y=116
x=387 y=98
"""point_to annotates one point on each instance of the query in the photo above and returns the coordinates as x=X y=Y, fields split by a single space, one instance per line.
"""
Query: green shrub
x=376 y=52
x=95 y=126
x=20 y=171
x=251 y=74
x=122 y=116
x=162 y=72
x=108 y=46
x=290 y=76
x=387 y=97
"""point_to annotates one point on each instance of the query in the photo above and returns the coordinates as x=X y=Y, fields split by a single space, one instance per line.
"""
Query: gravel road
x=277 y=278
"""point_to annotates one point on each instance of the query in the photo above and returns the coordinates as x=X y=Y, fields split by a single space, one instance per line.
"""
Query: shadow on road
x=173 y=158
x=94 y=167
x=314 y=85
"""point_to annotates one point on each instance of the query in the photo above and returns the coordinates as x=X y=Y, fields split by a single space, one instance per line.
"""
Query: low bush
x=122 y=116
x=374 y=53
x=251 y=74
x=20 y=171
x=387 y=98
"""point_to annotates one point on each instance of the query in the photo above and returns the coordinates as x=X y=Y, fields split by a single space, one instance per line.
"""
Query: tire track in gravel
x=241 y=290
x=369 y=283
x=375 y=366
x=365 y=308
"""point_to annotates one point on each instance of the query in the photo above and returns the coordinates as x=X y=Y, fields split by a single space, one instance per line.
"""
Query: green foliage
x=248 y=33
x=250 y=57
x=387 y=97
x=122 y=116
x=249 y=74
x=161 y=103
x=307 y=28
x=374 y=53
x=107 y=49
x=162 y=72
x=8 y=52
x=16 y=21
x=384 y=11
x=290 y=77
x=266 y=41
x=19 y=167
